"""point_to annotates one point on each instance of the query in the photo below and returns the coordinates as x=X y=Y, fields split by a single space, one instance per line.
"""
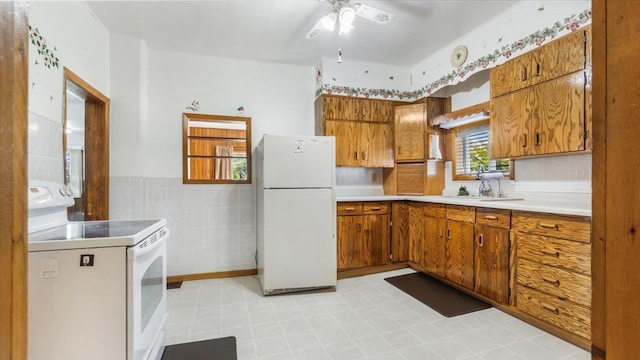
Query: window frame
x=454 y=152
x=186 y=118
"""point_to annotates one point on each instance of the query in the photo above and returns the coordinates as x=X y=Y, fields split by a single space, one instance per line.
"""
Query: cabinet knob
x=480 y=240
x=554 y=254
x=538 y=69
x=551 y=308
x=449 y=234
x=523 y=73
x=364 y=156
x=555 y=283
x=491 y=217
x=549 y=226
x=523 y=140
x=538 y=138
x=356 y=154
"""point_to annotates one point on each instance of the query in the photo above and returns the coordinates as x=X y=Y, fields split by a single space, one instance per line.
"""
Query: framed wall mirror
x=216 y=149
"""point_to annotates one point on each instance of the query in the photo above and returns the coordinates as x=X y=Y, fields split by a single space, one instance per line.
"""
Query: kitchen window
x=472 y=150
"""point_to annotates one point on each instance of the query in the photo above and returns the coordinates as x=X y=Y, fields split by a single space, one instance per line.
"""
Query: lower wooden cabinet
x=435 y=226
x=363 y=234
x=554 y=270
x=492 y=263
x=400 y=231
x=459 y=248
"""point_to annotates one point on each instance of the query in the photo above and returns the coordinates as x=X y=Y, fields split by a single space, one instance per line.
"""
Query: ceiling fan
x=343 y=14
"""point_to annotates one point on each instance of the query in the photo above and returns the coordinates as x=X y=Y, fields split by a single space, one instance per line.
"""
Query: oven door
x=147 y=297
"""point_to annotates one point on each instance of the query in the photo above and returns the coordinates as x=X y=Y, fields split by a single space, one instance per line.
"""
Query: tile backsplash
x=45 y=149
x=212 y=226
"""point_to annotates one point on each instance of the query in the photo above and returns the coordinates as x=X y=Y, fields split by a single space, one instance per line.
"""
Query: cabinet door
x=350 y=244
x=400 y=231
x=560 y=57
x=459 y=253
x=409 y=132
x=510 y=123
x=347 y=141
x=375 y=239
x=513 y=75
x=376 y=145
x=376 y=110
x=340 y=108
x=558 y=115
x=434 y=245
x=416 y=234
x=492 y=263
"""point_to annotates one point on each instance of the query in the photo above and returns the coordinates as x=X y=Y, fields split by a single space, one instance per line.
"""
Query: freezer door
x=298 y=161
x=299 y=239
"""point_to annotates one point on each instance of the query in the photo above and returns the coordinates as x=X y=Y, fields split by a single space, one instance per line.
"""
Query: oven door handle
x=139 y=253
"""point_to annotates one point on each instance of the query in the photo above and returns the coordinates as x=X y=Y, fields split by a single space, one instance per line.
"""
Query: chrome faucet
x=485 y=189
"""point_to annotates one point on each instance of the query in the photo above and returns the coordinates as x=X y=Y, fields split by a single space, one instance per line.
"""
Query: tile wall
x=212 y=226
x=45 y=149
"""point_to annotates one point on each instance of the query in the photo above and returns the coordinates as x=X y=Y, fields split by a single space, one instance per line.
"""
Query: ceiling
x=274 y=30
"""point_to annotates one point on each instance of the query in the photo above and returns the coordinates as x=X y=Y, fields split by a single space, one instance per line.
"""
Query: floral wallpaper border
x=48 y=55
x=537 y=38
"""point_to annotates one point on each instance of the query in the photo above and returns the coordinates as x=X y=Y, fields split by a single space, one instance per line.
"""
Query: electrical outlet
x=374 y=176
x=86 y=260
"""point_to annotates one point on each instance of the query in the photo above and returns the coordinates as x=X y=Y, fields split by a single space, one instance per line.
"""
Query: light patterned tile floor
x=366 y=318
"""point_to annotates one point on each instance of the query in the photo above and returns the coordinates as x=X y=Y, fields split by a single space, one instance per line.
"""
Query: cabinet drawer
x=349 y=208
x=564 y=227
x=565 y=285
x=375 y=208
x=493 y=217
x=569 y=255
x=435 y=210
x=461 y=213
x=569 y=316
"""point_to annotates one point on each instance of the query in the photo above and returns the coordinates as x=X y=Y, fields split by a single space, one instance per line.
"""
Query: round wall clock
x=458 y=56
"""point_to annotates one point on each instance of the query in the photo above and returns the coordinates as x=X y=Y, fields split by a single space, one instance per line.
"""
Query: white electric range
x=97 y=289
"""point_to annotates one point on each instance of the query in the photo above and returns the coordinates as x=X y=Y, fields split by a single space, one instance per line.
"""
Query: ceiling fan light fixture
x=345 y=28
x=347 y=15
x=329 y=21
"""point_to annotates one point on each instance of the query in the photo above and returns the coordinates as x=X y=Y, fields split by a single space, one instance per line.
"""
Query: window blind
x=472 y=150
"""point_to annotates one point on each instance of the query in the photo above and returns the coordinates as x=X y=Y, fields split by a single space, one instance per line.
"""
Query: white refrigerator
x=296 y=213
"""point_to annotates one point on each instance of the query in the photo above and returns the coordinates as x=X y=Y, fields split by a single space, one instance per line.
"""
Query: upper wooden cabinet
x=560 y=57
x=351 y=108
x=412 y=128
x=363 y=129
x=410 y=122
x=544 y=119
x=540 y=99
x=361 y=144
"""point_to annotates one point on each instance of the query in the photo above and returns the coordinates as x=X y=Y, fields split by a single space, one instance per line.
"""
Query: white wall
x=495 y=40
x=278 y=98
x=520 y=28
x=366 y=79
x=213 y=227
x=80 y=43
x=128 y=121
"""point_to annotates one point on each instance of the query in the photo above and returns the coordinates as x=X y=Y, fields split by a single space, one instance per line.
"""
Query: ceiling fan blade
x=376 y=15
x=315 y=30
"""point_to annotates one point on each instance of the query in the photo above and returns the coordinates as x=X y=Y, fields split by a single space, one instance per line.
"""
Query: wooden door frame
x=96 y=180
x=14 y=52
